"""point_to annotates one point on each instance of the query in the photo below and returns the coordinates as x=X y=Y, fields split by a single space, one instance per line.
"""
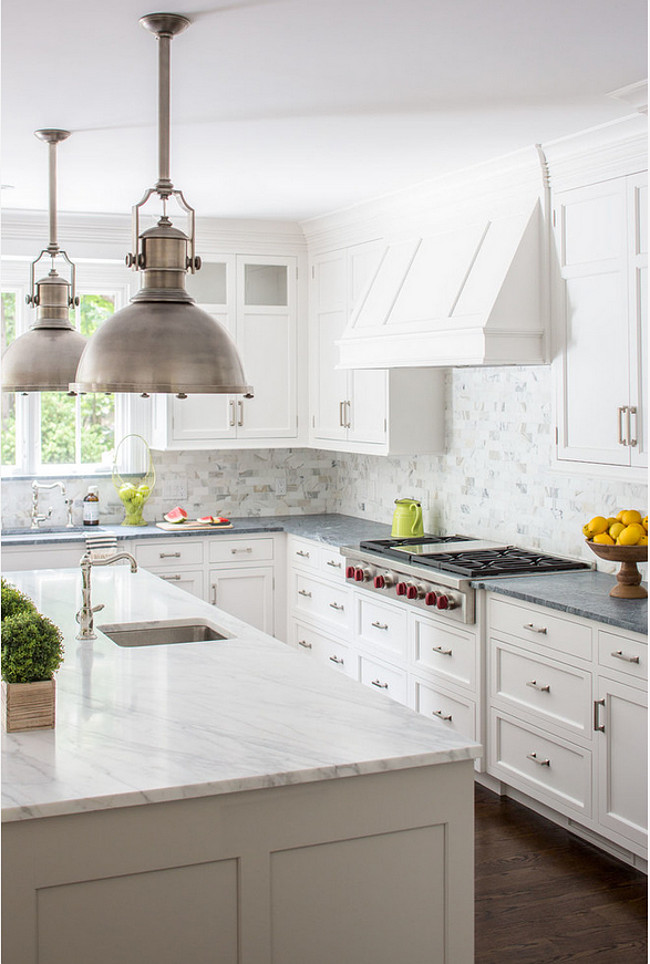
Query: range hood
x=471 y=295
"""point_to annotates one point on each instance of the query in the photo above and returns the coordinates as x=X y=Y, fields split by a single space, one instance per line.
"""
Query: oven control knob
x=384 y=581
x=349 y=572
x=415 y=592
x=401 y=588
x=430 y=598
x=445 y=602
x=362 y=575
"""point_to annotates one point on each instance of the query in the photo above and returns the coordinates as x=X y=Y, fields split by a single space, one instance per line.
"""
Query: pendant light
x=45 y=358
x=162 y=342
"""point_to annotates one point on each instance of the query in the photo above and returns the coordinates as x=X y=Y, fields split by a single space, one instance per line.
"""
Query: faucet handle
x=96 y=609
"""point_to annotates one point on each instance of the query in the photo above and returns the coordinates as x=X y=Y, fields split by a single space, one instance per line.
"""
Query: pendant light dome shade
x=162 y=342
x=45 y=358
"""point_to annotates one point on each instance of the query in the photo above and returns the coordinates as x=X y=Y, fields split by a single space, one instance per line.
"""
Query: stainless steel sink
x=47 y=530
x=163 y=633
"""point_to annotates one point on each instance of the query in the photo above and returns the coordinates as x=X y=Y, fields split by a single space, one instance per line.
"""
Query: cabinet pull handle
x=535 y=629
x=299 y=552
x=621 y=439
x=619 y=654
x=348 y=419
x=303 y=592
x=630 y=412
x=336 y=659
x=232 y=420
x=176 y=578
x=540 y=763
x=600 y=727
x=169 y=555
x=341 y=417
x=337 y=607
x=303 y=642
x=543 y=688
x=382 y=686
x=240 y=406
x=214 y=594
x=330 y=562
x=441 y=715
x=443 y=652
x=379 y=625
x=235 y=551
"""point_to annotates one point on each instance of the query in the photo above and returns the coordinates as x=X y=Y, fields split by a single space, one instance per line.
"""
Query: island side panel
x=341 y=869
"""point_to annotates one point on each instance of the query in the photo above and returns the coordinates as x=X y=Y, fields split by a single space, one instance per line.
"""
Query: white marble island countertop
x=155 y=723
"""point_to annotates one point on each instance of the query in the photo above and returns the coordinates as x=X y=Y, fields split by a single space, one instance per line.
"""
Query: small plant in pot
x=32 y=651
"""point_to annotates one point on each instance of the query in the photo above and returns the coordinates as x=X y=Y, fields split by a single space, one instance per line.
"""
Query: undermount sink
x=47 y=530
x=162 y=633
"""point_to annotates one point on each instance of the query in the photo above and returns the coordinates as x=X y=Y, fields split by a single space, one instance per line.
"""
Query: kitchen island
x=227 y=800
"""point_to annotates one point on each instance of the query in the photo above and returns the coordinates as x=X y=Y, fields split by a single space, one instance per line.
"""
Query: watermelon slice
x=176 y=515
x=205 y=519
x=214 y=520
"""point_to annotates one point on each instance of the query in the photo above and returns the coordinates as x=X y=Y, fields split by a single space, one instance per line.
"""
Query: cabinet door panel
x=638 y=207
x=368 y=406
x=246 y=593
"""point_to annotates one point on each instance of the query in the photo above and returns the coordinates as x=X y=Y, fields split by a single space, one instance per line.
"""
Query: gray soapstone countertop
x=583 y=594
x=330 y=528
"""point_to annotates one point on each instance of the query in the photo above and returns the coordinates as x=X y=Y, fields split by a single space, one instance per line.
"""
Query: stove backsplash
x=494 y=481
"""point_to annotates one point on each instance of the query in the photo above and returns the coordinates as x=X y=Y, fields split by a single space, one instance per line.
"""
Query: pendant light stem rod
x=164 y=184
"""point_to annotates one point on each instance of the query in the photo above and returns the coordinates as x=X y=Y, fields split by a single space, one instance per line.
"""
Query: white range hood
x=472 y=294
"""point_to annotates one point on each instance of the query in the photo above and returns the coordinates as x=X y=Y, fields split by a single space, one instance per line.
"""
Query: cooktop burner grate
x=497 y=562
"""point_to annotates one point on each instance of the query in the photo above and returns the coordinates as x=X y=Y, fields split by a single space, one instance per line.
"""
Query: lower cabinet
x=246 y=592
x=19 y=558
x=567 y=709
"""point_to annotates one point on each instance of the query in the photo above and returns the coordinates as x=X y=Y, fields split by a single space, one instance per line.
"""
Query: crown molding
x=599 y=153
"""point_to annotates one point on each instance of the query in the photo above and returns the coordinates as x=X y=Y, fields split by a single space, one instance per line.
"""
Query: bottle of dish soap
x=91 y=507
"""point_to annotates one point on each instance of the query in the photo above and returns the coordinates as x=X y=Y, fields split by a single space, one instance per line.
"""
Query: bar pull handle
x=443 y=652
x=540 y=763
x=174 y=578
x=543 y=688
x=330 y=562
x=348 y=418
x=336 y=659
x=619 y=654
x=169 y=555
x=535 y=629
x=235 y=551
x=240 y=406
x=600 y=727
x=299 y=552
x=214 y=594
x=232 y=420
x=303 y=592
x=382 y=686
x=341 y=416
x=337 y=607
x=303 y=642
x=441 y=715
x=621 y=438
x=630 y=412
x=379 y=625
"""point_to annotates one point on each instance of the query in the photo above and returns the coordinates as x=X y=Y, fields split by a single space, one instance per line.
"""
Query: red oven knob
x=411 y=592
x=400 y=588
x=430 y=598
x=349 y=572
x=361 y=575
x=444 y=602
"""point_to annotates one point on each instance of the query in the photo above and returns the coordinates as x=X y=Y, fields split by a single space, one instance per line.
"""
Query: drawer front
x=540 y=625
x=448 y=652
x=322 y=601
x=239 y=550
x=172 y=553
x=332 y=563
x=383 y=678
x=191 y=580
x=626 y=654
x=455 y=712
x=552 y=690
x=301 y=552
x=325 y=649
x=382 y=628
x=550 y=770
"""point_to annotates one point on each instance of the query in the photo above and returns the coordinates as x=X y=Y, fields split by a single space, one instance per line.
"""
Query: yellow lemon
x=631 y=535
x=585 y=531
x=644 y=523
x=597 y=524
x=603 y=539
x=620 y=514
x=610 y=521
x=616 y=529
x=630 y=517
x=643 y=541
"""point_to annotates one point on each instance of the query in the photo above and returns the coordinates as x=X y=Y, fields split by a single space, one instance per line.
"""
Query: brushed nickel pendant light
x=45 y=358
x=162 y=342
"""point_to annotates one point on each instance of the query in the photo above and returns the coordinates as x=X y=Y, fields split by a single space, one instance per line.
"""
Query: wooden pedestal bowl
x=628 y=578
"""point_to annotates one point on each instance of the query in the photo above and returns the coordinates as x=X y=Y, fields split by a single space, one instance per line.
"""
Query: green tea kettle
x=407 y=519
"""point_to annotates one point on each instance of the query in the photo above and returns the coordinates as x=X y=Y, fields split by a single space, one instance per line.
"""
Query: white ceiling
x=293 y=108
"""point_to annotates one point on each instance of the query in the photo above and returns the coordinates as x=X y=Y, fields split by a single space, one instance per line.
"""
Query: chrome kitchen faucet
x=36 y=519
x=85 y=615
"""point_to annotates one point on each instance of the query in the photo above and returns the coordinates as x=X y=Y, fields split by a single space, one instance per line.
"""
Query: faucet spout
x=85 y=615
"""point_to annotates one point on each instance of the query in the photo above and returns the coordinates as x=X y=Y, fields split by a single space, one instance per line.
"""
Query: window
x=50 y=433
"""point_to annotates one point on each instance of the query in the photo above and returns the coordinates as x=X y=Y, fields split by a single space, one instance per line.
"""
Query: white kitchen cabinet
x=255 y=298
x=246 y=592
x=601 y=322
x=375 y=411
x=19 y=558
x=176 y=560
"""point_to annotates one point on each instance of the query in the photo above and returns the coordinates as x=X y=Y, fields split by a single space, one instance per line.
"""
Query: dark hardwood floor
x=543 y=895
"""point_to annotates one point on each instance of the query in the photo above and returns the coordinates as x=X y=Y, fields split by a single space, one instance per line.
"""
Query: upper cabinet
x=377 y=410
x=600 y=235
x=255 y=298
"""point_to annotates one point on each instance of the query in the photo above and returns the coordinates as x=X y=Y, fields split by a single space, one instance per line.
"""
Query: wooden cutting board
x=180 y=526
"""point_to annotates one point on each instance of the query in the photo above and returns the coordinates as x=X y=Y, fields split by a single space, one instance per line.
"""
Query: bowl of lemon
x=622 y=538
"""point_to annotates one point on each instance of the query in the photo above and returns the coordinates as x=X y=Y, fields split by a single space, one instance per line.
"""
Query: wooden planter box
x=28 y=706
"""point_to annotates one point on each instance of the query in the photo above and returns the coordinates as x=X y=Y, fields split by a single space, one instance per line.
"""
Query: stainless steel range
x=435 y=573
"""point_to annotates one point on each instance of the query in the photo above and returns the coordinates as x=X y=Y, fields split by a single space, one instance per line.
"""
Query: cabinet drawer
x=558 y=693
x=458 y=713
x=176 y=552
x=191 y=580
x=325 y=649
x=623 y=653
x=301 y=552
x=332 y=563
x=239 y=550
x=385 y=679
x=550 y=770
x=321 y=600
x=446 y=651
x=540 y=625
x=382 y=627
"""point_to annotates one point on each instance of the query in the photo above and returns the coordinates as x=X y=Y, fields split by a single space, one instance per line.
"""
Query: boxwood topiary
x=13 y=601
x=32 y=647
